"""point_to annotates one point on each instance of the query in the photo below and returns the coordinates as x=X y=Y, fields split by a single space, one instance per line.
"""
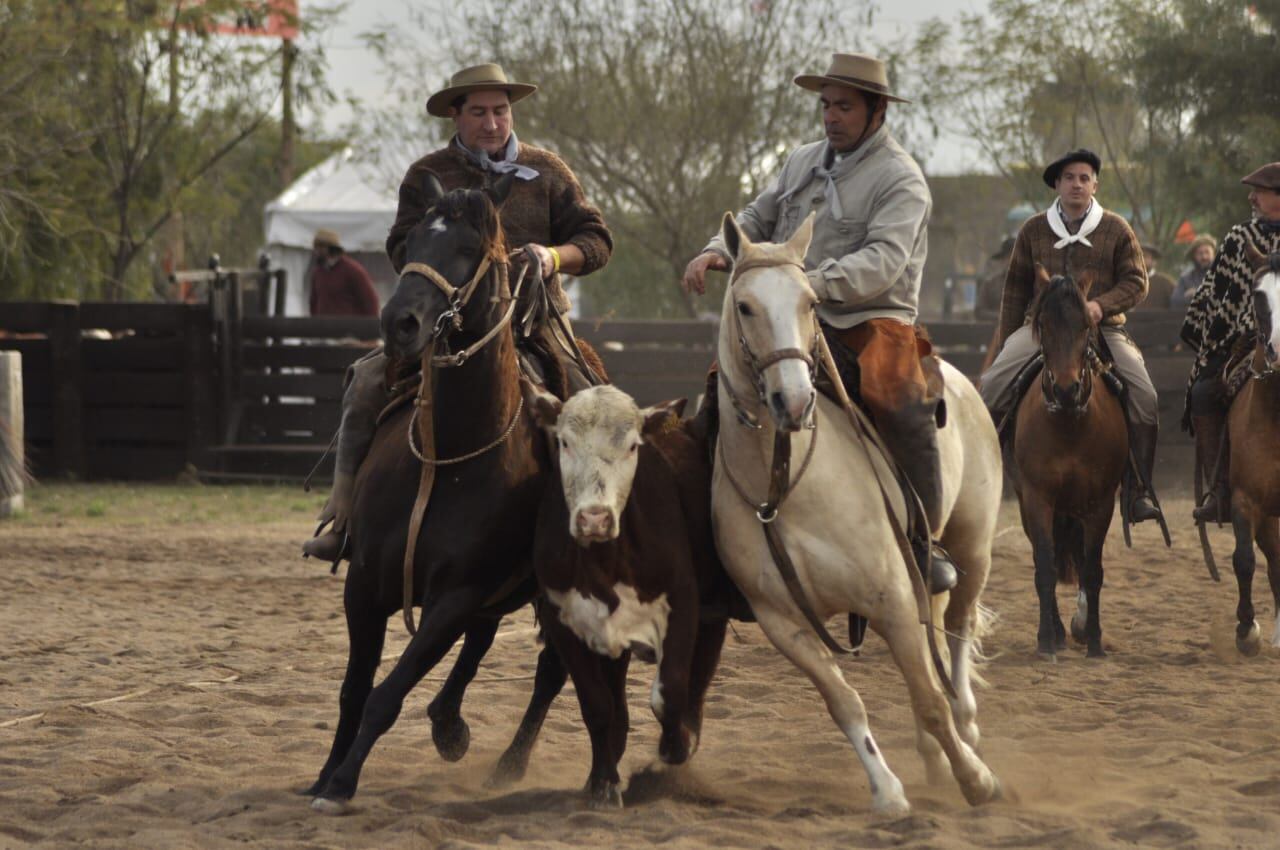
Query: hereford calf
x=626 y=560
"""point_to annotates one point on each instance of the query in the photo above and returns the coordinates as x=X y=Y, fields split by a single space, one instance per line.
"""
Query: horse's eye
x=744 y=309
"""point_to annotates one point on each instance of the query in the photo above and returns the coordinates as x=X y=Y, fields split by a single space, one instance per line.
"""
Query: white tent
x=353 y=197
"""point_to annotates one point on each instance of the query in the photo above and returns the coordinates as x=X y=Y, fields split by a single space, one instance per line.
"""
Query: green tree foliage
x=136 y=103
x=1177 y=96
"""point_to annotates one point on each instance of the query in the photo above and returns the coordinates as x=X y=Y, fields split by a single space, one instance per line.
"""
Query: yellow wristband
x=555 y=260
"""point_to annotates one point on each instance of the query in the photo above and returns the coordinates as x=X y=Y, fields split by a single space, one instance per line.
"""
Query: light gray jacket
x=865 y=263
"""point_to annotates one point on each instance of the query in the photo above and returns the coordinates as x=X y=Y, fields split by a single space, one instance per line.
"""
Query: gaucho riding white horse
x=833 y=523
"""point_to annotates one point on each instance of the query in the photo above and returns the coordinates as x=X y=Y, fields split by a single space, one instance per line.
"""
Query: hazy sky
x=354 y=71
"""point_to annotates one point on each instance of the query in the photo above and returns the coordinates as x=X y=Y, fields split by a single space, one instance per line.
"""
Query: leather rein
x=781 y=484
x=424 y=425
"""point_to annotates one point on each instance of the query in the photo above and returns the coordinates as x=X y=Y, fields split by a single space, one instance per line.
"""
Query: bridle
x=757 y=365
x=1092 y=362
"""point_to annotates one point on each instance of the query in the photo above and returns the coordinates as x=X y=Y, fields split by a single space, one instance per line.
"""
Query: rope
x=413 y=420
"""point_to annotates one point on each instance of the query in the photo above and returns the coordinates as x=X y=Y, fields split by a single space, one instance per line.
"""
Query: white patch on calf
x=608 y=633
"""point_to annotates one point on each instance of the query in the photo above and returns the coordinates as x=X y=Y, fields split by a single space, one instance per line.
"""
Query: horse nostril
x=776 y=402
x=406 y=327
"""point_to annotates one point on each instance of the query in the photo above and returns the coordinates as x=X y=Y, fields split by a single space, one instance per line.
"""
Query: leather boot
x=361 y=403
x=1143 y=507
x=912 y=437
x=1213 y=447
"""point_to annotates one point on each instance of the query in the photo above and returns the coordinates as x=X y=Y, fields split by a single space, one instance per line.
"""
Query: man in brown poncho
x=1073 y=236
x=545 y=213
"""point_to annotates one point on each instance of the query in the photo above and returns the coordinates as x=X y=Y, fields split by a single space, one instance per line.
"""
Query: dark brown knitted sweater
x=1120 y=276
x=548 y=210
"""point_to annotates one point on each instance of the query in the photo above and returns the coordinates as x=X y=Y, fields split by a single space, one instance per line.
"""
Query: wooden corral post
x=198 y=365
x=68 y=392
x=12 y=453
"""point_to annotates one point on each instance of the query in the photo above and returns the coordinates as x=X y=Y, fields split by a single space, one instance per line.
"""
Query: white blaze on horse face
x=1268 y=289
x=598 y=433
x=437 y=224
x=783 y=303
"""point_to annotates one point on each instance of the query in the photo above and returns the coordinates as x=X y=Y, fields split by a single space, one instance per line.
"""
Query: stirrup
x=1142 y=509
x=331 y=547
x=943 y=573
x=1213 y=508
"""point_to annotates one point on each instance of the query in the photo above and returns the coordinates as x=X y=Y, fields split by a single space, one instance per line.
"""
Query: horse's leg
x=907 y=642
x=963 y=624
x=1243 y=522
x=669 y=696
x=443 y=620
x=366 y=633
x=1095 y=534
x=795 y=639
x=594 y=679
x=548 y=681
x=706 y=658
x=449 y=731
x=1037 y=522
x=1268 y=538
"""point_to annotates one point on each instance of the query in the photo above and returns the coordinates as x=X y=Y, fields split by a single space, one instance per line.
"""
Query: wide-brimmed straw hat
x=855 y=70
x=476 y=78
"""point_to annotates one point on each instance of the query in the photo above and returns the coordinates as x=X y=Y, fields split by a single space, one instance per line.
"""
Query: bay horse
x=834 y=522
x=1069 y=449
x=1254 y=425
x=473 y=565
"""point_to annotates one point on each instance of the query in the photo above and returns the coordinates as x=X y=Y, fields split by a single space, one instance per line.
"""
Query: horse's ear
x=543 y=405
x=657 y=417
x=734 y=239
x=1085 y=281
x=1042 y=277
x=798 y=244
x=431 y=189
x=1254 y=257
x=500 y=189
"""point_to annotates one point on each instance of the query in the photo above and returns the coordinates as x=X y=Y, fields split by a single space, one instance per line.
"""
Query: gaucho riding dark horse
x=474 y=523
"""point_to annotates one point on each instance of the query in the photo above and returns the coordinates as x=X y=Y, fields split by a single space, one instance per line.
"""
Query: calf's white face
x=597 y=433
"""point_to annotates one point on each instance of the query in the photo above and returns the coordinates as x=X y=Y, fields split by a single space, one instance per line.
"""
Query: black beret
x=1054 y=169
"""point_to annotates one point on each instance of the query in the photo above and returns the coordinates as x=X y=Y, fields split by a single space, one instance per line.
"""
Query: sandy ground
x=185 y=680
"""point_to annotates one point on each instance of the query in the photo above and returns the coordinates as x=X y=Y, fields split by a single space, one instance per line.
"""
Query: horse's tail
x=1068 y=547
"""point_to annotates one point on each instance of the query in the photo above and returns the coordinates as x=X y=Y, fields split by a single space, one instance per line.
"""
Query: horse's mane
x=474 y=207
x=1060 y=298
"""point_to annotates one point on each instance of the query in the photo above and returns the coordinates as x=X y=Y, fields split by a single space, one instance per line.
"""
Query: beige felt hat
x=476 y=78
x=324 y=236
x=856 y=70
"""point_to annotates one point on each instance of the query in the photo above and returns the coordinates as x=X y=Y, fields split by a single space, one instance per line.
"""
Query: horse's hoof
x=507 y=772
x=1096 y=652
x=1077 y=630
x=675 y=751
x=891 y=806
x=1250 y=643
x=1047 y=655
x=329 y=806
x=451 y=737
x=605 y=798
x=984 y=792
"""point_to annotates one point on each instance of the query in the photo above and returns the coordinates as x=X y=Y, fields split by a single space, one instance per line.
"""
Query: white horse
x=834 y=524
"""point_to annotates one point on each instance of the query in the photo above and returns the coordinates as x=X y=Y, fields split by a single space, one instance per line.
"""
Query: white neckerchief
x=1091 y=221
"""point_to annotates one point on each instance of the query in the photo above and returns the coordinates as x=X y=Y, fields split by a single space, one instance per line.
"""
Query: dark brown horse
x=472 y=562
x=1069 y=452
x=1254 y=424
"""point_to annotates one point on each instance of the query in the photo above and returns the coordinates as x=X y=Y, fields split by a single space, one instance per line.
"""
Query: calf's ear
x=544 y=406
x=660 y=417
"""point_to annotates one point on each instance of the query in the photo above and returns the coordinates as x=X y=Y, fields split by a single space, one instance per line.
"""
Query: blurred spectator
x=1201 y=254
x=1159 y=285
x=339 y=285
x=991 y=287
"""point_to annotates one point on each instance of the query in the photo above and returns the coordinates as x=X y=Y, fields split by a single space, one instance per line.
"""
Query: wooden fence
x=258 y=396
x=114 y=390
